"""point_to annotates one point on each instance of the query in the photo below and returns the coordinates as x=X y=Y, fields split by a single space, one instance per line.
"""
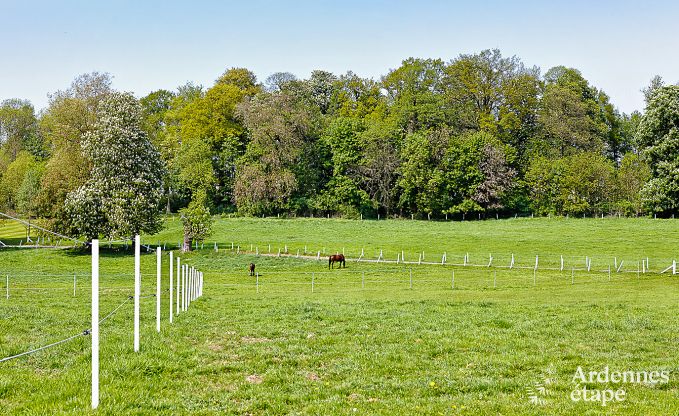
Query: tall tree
x=19 y=129
x=276 y=164
x=122 y=195
x=658 y=134
x=570 y=117
x=415 y=95
x=490 y=88
x=69 y=116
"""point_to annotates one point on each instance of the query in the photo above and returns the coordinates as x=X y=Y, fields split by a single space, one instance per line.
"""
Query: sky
x=148 y=45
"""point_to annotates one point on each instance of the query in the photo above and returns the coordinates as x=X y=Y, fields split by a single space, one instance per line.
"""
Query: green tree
x=122 y=195
x=196 y=220
x=378 y=168
x=493 y=93
x=13 y=178
x=631 y=177
x=69 y=116
x=278 y=161
x=658 y=134
x=342 y=193
x=570 y=117
x=19 y=129
x=478 y=176
x=588 y=184
x=414 y=91
x=582 y=183
x=354 y=96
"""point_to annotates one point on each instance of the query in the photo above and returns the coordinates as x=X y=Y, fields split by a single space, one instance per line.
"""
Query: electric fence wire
x=72 y=337
x=147 y=247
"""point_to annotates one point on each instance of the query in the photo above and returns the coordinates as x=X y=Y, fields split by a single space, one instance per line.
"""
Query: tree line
x=479 y=135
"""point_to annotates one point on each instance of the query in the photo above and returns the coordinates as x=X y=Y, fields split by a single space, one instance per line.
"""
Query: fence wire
x=72 y=337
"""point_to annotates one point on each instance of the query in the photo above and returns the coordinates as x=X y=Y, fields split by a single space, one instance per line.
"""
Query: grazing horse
x=339 y=258
x=252 y=269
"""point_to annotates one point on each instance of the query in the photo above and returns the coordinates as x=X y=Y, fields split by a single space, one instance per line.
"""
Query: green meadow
x=373 y=338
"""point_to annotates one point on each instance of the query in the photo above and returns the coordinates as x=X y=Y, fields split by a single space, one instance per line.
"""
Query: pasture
x=368 y=339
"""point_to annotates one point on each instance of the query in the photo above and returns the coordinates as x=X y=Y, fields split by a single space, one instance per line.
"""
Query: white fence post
x=179 y=278
x=137 y=292
x=95 y=324
x=183 y=287
x=171 y=298
x=189 y=274
x=7 y=286
x=158 y=254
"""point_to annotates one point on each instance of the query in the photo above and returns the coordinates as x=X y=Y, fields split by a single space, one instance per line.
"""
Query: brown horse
x=339 y=258
x=252 y=269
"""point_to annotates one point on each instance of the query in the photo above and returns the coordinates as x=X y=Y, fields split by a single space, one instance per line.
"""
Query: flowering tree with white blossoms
x=122 y=195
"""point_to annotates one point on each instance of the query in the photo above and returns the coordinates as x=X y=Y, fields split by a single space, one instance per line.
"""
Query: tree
x=478 y=175
x=278 y=80
x=570 y=117
x=154 y=107
x=321 y=86
x=70 y=115
x=490 y=91
x=19 y=129
x=658 y=134
x=631 y=177
x=122 y=195
x=278 y=161
x=380 y=162
x=196 y=220
x=420 y=183
x=357 y=97
x=588 y=185
x=241 y=78
x=577 y=184
x=498 y=178
x=414 y=91
x=654 y=85
x=342 y=193
x=12 y=180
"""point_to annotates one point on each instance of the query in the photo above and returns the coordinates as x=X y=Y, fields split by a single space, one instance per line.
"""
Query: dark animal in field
x=337 y=258
x=252 y=269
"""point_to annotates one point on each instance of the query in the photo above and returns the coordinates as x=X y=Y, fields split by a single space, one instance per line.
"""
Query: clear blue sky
x=147 y=45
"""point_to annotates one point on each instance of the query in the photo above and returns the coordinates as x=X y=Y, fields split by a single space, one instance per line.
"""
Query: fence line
x=54 y=344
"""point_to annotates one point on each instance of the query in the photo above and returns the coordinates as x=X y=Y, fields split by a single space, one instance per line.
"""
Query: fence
x=432 y=280
x=189 y=284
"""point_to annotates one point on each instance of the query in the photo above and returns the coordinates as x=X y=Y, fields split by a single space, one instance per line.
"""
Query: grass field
x=364 y=341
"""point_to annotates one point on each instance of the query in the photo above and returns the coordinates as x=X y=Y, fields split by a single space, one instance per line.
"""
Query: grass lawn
x=363 y=340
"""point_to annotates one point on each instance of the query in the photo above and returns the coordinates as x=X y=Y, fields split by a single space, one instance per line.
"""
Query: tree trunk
x=167 y=208
x=186 y=246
